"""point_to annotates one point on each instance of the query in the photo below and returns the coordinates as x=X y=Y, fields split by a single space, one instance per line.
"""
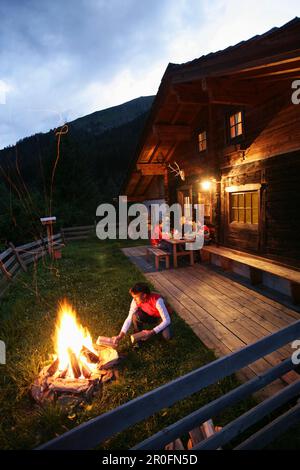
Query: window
x=244 y=207
x=202 y=141
x=236 y=125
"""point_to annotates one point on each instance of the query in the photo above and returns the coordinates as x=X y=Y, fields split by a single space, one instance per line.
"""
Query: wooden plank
x=158 y=252
x=20 y=261
x=213 y=408
x=269 y=433
x=5 y=253
x=151 y=168
x=14 y=269
x=74 y=229
x=172 y=132
x=255 y=276
x=251 y=296
x=9 y=262
x=241 y=424
x=235 y=334
x=78 y=238
x=175 y=445
x=90 y=434
x=254 y=320
x=295 y=292
x=263 y=264
x=229 y=300
x=29 y=245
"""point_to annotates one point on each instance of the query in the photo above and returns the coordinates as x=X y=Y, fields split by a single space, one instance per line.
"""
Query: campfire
x=78 y=368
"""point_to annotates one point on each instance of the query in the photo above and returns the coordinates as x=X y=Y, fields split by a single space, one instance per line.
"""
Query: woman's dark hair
x=139 y=288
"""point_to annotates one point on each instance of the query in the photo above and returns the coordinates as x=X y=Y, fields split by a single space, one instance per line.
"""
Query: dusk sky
x=63 y=59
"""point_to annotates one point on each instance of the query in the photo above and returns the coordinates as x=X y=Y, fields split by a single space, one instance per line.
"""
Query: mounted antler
x=177 y=170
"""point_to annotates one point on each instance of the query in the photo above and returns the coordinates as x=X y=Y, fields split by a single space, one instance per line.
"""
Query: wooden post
x=166 y=186
x=17 y=255
x=4 y=270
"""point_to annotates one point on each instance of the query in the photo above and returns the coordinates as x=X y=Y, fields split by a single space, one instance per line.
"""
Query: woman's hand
x=117 y=339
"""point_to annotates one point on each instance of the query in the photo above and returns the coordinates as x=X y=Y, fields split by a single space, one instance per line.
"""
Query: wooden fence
x=78 y=233
x=15 y=259
x=90 y=434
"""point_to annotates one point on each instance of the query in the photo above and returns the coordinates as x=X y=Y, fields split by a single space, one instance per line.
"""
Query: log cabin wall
x=262 y=159
x=269 y=158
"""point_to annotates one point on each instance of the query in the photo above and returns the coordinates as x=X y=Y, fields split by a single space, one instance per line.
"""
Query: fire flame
x=70 y=336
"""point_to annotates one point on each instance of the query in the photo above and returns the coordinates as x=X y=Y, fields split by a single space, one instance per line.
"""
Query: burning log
x=86 y=371
x=53 y=367
x=91 y=357
x=74 y=364
x=63 y=373
x=80 y=368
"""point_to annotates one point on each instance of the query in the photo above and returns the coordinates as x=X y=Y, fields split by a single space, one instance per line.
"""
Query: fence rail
x=78 y=233
x=90 y=434
x=16 y=258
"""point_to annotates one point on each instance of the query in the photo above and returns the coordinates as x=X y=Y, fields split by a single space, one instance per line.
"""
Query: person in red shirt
x=146 y=308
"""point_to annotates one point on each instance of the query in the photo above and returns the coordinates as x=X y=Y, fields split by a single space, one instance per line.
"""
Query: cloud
x=61 y=60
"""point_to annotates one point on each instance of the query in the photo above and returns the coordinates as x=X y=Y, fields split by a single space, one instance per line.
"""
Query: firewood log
x=196 y=436
x=63 y=373
x=175 y=445
x=86 y=371
x=53 y=367
x=74 y=364
x=91 y=357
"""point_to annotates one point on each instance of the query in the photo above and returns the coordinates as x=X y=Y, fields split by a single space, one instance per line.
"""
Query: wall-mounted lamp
x=206 y=185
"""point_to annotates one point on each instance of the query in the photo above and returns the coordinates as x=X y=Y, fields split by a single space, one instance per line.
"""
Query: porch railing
x=92 y=433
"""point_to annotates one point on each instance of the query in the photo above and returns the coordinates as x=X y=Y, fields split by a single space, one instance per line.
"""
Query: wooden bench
x=257 y=266
x=159 y=254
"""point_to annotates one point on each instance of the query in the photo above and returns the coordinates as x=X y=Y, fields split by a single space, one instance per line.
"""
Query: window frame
x=203 y=131
x=229 y=190
x=238 y=137
x=244 y=208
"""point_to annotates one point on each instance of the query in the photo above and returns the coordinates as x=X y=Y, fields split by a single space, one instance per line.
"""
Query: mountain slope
x=116 y=116
x=93 y=161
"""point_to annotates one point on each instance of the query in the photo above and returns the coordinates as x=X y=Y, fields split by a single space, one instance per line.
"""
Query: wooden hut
x=228 y=120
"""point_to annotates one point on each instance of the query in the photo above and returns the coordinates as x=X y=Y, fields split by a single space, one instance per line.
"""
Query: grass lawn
x=95 y=277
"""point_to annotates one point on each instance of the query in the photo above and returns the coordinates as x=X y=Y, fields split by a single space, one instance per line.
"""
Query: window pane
x=248 y=200
x=234 y=200
x=255 y=215
x=234 y=215
x=241 y=201
x=241 y=216
x=244 y=207
x=239 y=130
x=236 y=124
x=248 y=216
x=202 y=141
x=255 y=199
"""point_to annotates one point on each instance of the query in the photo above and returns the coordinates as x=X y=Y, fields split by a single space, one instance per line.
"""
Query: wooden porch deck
x=225 y=314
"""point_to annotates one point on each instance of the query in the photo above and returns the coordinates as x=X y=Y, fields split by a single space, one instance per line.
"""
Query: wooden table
x=176 y=254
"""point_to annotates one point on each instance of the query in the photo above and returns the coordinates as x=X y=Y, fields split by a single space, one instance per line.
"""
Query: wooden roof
x=186 y=90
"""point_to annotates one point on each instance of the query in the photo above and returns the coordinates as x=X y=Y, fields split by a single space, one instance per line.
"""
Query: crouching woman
x=146 y=308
